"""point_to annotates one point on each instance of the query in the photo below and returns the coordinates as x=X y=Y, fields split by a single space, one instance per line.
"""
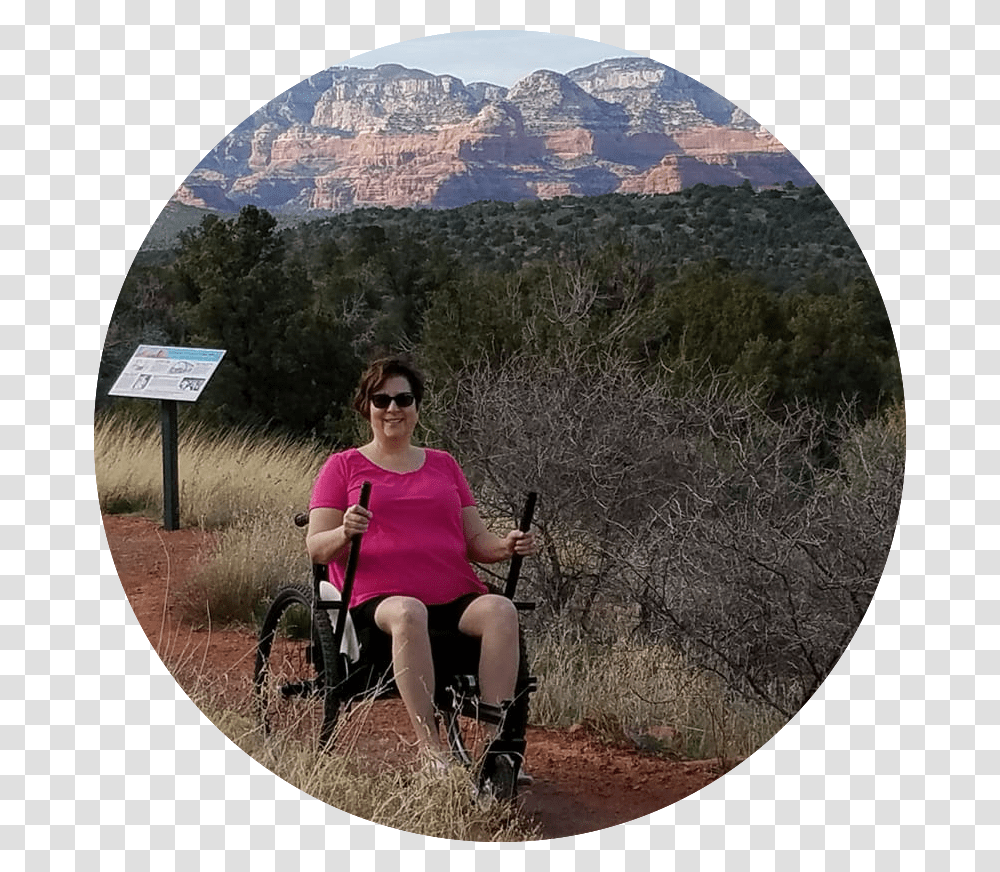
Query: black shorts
x=443 y=617
x=377 y=644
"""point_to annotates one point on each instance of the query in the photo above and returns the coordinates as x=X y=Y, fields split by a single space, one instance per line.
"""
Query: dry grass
x=223 y=478
x=252 y=558
x=644 y=694
x=442 y=807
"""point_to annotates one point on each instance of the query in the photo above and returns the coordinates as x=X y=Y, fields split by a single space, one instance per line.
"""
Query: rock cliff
x=657 y=98
x=391 y=136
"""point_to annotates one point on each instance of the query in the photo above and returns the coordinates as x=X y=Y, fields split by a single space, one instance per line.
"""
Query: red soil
x=581 y=784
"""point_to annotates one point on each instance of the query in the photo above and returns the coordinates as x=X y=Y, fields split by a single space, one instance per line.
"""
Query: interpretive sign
x=160 y=372
x=167 y=374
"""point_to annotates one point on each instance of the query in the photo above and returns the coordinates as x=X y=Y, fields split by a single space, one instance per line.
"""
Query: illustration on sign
x=158 y=372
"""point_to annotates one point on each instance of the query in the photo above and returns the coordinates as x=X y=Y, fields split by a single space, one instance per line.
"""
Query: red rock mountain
x=390 y=136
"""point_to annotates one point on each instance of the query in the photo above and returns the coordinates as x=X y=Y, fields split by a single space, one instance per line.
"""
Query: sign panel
x=159 y=372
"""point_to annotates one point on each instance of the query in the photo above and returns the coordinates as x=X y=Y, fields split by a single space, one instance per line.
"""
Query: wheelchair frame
x=316 y=670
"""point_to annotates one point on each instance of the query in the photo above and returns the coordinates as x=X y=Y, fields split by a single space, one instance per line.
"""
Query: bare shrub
x=676 y=508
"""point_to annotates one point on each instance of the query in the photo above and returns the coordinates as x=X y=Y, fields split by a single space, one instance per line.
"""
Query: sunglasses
x=382 y=401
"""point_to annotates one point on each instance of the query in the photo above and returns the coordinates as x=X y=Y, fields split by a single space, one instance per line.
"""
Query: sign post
x=171 y=483
x=167 y=374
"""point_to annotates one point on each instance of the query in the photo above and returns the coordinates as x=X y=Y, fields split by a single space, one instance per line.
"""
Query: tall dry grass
x=443 y=807
x=223 y=477
x=251 y=559
x=644 y=694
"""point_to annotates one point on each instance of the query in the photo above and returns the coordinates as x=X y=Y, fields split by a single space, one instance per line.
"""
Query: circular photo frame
x=636 y=360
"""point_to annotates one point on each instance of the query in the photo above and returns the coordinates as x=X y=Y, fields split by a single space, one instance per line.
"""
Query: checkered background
x=107 y=107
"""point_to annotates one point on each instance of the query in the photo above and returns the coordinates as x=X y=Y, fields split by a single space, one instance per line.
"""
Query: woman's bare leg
x=405 y=620
x=493 y=620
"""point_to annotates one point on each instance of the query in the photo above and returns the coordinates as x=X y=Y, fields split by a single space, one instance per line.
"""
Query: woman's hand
x=356 y=520
x=520 y=543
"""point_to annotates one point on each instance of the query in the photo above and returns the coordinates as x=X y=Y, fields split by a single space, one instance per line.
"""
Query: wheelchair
x=311 y=668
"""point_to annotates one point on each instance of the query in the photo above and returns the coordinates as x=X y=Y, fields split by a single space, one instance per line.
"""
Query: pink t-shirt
x=415 y=544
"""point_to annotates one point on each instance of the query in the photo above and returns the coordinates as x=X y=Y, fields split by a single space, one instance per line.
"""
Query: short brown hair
x=378 y=372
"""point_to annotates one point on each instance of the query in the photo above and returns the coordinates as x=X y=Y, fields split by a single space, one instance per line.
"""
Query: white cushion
x=349 y=645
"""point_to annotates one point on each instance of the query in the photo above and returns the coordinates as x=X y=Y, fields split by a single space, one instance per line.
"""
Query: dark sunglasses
x=382 y=401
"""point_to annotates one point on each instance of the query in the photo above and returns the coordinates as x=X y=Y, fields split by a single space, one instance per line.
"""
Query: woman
x=421 y=530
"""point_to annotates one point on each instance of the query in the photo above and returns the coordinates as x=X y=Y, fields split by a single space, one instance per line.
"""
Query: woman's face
x=393 y=423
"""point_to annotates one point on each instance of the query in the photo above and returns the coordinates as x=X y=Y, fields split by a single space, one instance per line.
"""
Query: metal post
x=171 y=498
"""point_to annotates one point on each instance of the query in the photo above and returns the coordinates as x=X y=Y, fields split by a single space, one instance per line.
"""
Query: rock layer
x=391 y=136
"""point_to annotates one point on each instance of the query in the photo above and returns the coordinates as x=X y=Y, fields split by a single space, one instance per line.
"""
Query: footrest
x=482 y=711
x=501 y=766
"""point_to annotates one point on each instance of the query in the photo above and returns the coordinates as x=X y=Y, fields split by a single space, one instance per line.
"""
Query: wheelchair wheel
x=297 y=669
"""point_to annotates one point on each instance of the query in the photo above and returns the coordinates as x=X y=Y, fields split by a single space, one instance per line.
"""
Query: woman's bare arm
x=331 y=530
x=483 y=546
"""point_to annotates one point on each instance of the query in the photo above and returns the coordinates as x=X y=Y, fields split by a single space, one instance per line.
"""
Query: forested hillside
x=768 y=286
x=784 y=237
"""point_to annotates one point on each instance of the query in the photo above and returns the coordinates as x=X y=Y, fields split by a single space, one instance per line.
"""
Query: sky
x=500 y=57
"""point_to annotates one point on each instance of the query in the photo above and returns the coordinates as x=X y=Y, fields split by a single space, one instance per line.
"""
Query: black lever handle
x=517 y=559
x=352 y=567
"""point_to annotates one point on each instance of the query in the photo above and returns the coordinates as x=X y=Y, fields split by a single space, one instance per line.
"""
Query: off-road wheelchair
x=312 y=668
